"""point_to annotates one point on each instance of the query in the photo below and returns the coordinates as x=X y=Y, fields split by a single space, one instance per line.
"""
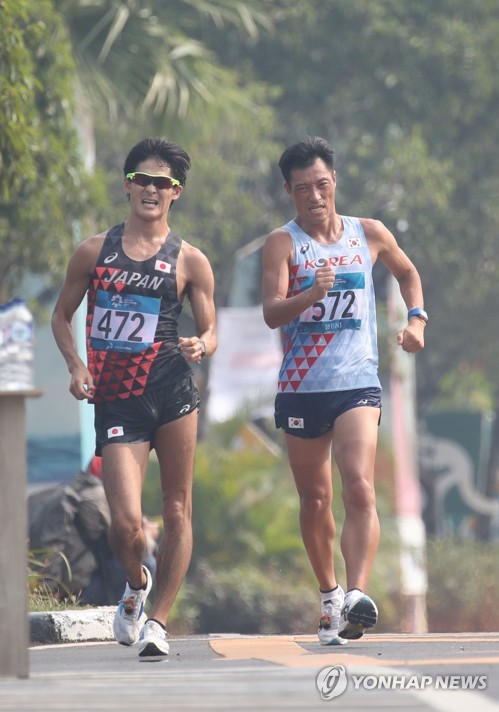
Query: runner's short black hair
x=165 y=151
x=303 y=154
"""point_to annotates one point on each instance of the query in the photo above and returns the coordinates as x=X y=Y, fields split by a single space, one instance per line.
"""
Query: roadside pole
x=85 y=410
x=14 y=627
x=412 y=535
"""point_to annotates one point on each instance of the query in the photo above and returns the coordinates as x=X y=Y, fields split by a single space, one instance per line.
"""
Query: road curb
x=72 y=626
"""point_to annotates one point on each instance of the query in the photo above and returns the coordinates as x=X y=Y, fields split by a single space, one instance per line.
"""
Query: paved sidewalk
x=427 y=673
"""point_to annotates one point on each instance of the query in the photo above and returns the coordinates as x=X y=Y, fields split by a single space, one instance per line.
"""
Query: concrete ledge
x=87 y=624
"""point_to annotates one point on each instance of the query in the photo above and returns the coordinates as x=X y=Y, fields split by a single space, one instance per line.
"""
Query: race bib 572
x=340 y=309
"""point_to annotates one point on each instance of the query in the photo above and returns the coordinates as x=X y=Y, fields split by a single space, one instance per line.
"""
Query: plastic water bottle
x=17 y=346
x=3 y=343
x=21 y=345
x=4 y=308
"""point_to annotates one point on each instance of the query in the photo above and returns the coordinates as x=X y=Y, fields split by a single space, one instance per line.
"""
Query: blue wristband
x=417 y=311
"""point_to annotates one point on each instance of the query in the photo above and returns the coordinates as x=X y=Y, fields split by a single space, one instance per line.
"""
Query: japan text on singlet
x=132 y=318
x=332 y=345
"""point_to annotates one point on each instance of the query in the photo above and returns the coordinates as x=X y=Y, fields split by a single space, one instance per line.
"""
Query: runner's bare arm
x=384 y=246
x=78 y=275
x=200 y=290
x=277 y=309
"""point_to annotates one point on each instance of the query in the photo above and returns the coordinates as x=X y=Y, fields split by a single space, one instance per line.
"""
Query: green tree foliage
x=456 y=571
x=254 y=515
x=41 y=184
x=138 y=56
x=226 y=204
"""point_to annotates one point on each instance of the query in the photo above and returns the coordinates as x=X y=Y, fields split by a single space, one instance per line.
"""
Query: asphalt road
x=447 y=673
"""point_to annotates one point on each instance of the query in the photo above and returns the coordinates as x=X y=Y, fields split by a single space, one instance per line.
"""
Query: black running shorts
x=310 y=415
x=136 y=419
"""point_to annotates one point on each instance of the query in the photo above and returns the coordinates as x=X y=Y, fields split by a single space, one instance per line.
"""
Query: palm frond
x=134 y=55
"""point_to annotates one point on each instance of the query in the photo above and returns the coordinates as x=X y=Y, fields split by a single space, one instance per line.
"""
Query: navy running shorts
x=136 y=419
x=310 y=415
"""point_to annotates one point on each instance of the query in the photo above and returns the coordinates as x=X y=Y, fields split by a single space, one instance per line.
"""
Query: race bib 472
x=124 y=322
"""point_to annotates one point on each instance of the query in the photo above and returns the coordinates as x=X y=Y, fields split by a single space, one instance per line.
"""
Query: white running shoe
x=359 y=613
x=130 y=617
x=153 y=646
x=330 y=618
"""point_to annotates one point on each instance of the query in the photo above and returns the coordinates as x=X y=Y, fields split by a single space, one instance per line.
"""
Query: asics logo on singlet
x=305 y=248
x=110 y=258
x=335 y=261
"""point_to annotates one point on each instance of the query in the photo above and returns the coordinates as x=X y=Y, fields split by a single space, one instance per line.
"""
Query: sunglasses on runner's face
x=159 y=182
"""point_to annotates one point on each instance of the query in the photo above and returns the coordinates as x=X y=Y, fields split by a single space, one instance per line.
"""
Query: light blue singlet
x=332 y=346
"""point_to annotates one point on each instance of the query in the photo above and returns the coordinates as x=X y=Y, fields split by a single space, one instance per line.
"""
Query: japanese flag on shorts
x=115 y=431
